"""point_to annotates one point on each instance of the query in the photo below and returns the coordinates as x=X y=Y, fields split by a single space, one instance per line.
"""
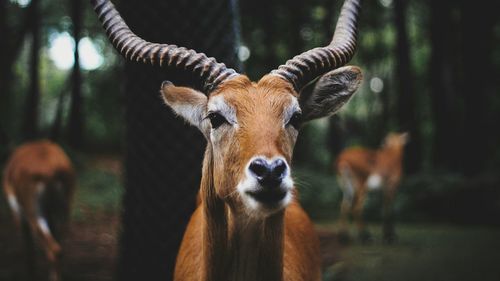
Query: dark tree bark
x=57 y=124
x=445 y=88
x=267 y=20
x=335 y=141
x=407 y=101
x=329 y=20
x=163 y=154
x=5 y=61
x=76 y=114
x=10 y=51
x=3 y=34
x=31 y=107
x=480 y=129
x=297 y=10
x=335 y=137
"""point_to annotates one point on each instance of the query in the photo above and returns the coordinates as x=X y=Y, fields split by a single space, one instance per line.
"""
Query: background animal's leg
x=29 y=249
x=41 y=226
x=389 y=234
x=49 y=244
x=13 y=204
x=55 y=271
x=56 y=208
x=359 y=203
x=347 y=188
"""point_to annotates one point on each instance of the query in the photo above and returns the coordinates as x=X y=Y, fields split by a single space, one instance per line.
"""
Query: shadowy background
x=430 y=68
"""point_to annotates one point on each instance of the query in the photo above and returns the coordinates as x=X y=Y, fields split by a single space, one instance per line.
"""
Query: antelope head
x=251 y=127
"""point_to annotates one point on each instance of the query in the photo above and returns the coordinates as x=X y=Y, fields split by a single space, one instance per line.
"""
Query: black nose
x=268 y=174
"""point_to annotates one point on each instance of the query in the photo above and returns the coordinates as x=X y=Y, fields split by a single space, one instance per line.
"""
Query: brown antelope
x=361 y=170
x=39 y=182
x=249 y=224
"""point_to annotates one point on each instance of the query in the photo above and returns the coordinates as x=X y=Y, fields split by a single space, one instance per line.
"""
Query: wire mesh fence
x=163 y=154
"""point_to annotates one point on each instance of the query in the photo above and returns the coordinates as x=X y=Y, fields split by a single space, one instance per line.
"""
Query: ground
x=424 y=252
x=427 y=252
x=430 y=252
x=89 y=251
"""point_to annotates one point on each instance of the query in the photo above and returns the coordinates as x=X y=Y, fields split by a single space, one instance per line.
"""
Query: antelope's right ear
x=186 y=102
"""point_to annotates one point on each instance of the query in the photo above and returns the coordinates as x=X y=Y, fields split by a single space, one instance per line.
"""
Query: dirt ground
x=423 y=252
x=89 y=251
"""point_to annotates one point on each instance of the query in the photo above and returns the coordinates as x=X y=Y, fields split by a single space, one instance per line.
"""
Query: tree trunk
x=8 y=56
x=57 y=124
x=30 y=125
x=480 y=130
x=4 y=33
x=407 y=101
x=5 y=70
x=76 y=115
x=163 y=154
x=335 y=141
x=267 y=20
x=335 y=138
x=445 y=96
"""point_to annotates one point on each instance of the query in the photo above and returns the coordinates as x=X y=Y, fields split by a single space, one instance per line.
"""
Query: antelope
x=38 y=182
x=248 y=224
x=362 y=170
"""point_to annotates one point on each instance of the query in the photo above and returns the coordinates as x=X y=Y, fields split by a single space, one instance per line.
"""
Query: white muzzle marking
x=250 y=184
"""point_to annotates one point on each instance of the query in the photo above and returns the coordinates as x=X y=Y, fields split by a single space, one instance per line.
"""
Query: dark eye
x=216 y=119
x=295 y=120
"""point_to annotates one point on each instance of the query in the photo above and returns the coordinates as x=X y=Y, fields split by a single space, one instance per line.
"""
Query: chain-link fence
x=163 y=154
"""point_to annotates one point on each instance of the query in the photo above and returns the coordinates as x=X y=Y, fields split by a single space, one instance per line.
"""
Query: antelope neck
x=248 y=249
x=255 y=247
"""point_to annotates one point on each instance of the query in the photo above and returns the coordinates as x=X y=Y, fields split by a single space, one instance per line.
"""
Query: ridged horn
x=305 y=67
x=134 y=48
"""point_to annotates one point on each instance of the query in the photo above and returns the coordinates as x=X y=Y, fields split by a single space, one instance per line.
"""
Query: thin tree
x=480 y=128
x=407 y=101
x=445 y=89
x=335 y=137
x=10 y=50
x=30 y=121
x=76 y=115
x=4 y=32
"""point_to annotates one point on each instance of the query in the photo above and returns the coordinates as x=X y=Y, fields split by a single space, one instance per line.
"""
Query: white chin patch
x=257 y=208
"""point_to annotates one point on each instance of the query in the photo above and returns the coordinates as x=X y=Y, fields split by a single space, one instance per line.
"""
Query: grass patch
x=97 y=192
x=424 y=252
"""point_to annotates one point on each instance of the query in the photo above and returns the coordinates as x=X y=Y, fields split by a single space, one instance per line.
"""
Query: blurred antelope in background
x=39 y=182
x=361 y=170
x=249 y=224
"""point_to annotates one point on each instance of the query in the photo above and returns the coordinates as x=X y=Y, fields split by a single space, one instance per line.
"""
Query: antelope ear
x=185 y=102
x=330 y=92
x=405 y=137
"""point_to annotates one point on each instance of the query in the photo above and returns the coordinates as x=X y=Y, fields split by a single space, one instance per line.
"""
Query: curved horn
x=305 y=67
x=134 y=48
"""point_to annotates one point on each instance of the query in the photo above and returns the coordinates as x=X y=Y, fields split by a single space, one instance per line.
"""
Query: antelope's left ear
x=405 y=137
x=186 y=102
x=330 y=92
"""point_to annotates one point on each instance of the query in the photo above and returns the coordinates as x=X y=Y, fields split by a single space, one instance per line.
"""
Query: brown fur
x=222 y=242
x=35 y=165
x=357 y=164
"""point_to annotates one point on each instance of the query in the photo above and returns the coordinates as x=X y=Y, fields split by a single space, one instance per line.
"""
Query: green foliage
x=273 y=34
x=319 y=192
x=275 y=31
x=97 y=192
x=423 y=252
